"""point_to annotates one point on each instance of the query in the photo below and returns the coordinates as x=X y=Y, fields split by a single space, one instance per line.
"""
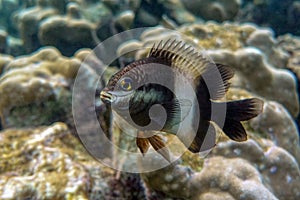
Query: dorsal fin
x=184 y=57
x=190 y=61
x=215 y=81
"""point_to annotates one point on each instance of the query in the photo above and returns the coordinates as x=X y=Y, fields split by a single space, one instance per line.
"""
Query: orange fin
x=143 y=145
x=159 y=145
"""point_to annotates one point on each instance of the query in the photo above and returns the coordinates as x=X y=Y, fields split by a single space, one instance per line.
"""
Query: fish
x=132 y=95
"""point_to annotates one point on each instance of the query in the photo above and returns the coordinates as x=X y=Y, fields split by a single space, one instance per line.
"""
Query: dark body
x=210 y=82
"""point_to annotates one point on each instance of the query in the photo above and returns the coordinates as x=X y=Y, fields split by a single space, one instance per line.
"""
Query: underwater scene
x=149 y=99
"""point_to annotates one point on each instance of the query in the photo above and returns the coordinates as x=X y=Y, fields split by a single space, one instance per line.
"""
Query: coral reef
x=3 y=41
x=68 y=33
x=50 y=163
x=40 y=154
x=45 y=162
x=43 y=22
x=291 y=45
x=228 y=173
x=244 y=53
x=35 y=88
x=254 y=169
x=279 y=128
x=28 y=21
x=263 y=13
x=48 y=22
x=218 y=10
x=267 y=79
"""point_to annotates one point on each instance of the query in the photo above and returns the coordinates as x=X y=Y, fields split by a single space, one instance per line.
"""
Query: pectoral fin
x=179 y=109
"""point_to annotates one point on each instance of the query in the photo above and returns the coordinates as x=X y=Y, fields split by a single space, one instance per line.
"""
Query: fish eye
x=126 y=84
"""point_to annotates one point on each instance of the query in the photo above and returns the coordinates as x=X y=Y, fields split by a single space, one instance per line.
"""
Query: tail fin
x=238 y=111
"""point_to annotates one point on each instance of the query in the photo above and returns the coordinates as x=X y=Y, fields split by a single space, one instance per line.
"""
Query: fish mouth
x=106 y=97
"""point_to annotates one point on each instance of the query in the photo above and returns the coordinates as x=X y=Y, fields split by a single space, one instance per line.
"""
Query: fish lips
x=107 y=97
x=111 y=96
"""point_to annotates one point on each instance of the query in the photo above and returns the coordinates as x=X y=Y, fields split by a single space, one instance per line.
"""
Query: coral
x=243 y=52
x=56 y=31
x=280 y=127
x=4 y=60
x=36 y=29
x=176 y=11
x=3 y=41
x=28 y=21
x=266 y=78
x=255 y=169
x=220 y=177
x=291 y=44
x=262 y=13
x=214 y=36
x=94 y=11
x=265 y=41
x=6 y=8
x=152 y=13
x=37 y=81
x=129 y=49
x=125 y=20
x=48 y=163
x=275 y=165
x=219 y=10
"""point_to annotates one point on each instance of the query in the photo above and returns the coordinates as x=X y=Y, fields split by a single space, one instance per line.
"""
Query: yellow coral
x=45 y=162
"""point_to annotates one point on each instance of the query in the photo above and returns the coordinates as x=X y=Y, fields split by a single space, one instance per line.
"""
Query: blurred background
x=43 y=43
